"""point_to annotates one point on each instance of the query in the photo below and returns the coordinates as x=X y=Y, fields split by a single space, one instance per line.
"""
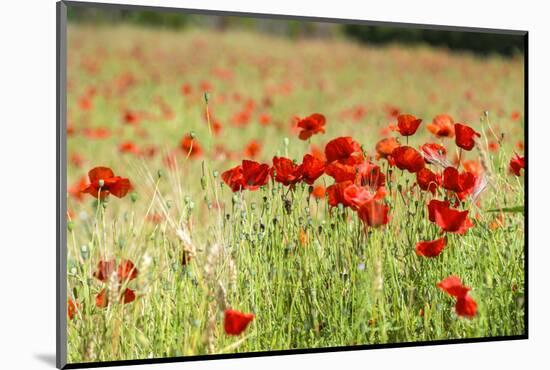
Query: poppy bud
x=159 y=174
x=234 y=199
x=288 y=206
x=286 y=141
x=191 y=205
x=253 y=206
x=187 y=199
x=215 y=174
x=203 y=183
x=192 y=134
x=84 y=251
x=70 y=226
x=206 y=96
x=133 y=197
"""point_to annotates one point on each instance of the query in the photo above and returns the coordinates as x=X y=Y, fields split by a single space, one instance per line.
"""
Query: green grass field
x=312 y=275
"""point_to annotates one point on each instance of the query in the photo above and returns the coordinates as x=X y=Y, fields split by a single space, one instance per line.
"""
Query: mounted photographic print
x=235 y=184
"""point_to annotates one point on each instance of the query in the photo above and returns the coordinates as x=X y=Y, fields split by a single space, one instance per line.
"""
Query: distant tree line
x=477 y=42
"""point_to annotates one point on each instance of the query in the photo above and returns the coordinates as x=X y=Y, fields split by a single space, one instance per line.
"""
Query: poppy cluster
x=465 y=305
x=125 y=272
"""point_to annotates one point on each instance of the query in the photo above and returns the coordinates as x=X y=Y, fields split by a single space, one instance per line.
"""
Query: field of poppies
x=239 y=192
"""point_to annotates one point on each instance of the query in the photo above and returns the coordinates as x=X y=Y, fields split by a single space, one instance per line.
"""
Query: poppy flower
x=461 y=183
x=72 y=307
x=466 y=306
x=75 y=190
x=252 y=149
x=385 y=147
x=516 y=164
x=235 y=322
x=435 y=154
x=186 y=89
x=254 y=174
x=431 y=248
x=453 y=286
x=465 y=136
x=128 y=147
x=427 y=180
x=311 y=125
x=407 y=158
x=97 y=133
x=265 y=119
x=336 y=196
x=407 y=124
x=318 y=191
x=344 y=150
x=125 y=272
x=190 y=146
x=131 y=118
x=234 y=178
x=341 y=172
x=312 y=169
x=442 y=126
x=285 y=171
x=357 y=196
x=374 y=213
x=450 y=220
x=369 y=174
x=104 y=182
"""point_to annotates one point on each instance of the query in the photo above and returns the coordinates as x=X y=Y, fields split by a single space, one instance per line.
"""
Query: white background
x=27 y=182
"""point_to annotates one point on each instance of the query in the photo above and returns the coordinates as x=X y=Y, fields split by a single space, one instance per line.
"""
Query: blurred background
x=476 y=42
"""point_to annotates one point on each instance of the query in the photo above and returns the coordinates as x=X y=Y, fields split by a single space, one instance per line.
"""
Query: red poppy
x=186 y=89
x=104 y=182
x=385 y=147
x=254 y=174
x=311 y=125
x=357 y=196
x=407 y=124
x=336 y=196
x=450 y=220
x=453 y=286
x=369 y=174
x=76 y=190
x=442 y=126
x=318 y=191
x=131 y=118
x=312 y=169
x=285 y=171
x=435 y=154
x=465 y=136
x=97 y=133
x=374 y=213
x=473 y=166
x=344 y=150
x=265 y=119
x=516 y=164
x=234 y=178
x=466 y=306
x=407 y=158
x=72 y=307
x=126 y=272
x=190 y=146
x=128 y=147
x=341 y=172
x=431 y=248
x=461 y=183
x=427 y=180
x=252 y=149
x=235 y=322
